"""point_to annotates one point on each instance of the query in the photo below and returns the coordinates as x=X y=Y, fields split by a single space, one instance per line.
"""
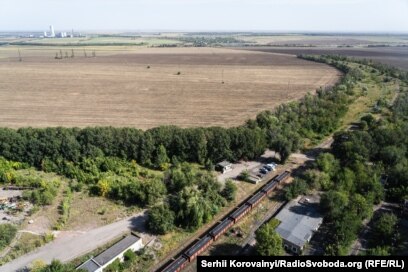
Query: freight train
x=205 y=241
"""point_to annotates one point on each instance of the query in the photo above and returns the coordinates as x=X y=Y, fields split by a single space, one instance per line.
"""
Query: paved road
x=69 y=245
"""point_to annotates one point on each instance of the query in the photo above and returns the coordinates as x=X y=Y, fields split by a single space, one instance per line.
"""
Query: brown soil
x=118 y=89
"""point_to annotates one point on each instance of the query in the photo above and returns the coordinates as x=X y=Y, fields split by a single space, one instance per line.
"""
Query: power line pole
x=19 y=56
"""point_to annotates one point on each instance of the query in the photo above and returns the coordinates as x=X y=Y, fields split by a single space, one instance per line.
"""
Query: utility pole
x=19 y=56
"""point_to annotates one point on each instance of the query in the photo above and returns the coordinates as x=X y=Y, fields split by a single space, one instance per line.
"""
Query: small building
x=100 y=262
x=224 y=166
x=254 y=179
x=300 y=219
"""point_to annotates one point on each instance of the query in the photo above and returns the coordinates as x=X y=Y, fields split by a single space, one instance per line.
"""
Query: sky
x=385 y=16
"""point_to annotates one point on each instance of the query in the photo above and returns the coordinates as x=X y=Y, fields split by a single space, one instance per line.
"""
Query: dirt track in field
x=118 y=89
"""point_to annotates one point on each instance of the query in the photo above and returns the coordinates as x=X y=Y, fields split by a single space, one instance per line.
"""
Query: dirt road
x=69 y=245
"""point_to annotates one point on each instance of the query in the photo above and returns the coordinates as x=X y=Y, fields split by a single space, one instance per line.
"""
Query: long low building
x=300 y=219
x=98 y=263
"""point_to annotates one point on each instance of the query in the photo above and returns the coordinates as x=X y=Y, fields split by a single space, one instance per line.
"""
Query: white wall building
x=52 y=32
x=100 y=262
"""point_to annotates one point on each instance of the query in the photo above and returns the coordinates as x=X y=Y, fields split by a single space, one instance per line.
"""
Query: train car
x=240 y=212
x=176 y=265
x=253 y=201
x=269 y=187
x=198 y=247
x=221 y=228
x=283 y=176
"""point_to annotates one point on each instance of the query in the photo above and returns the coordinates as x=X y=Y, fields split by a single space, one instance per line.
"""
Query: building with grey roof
x=98 y=263
x=300 y=219
x=223 y=166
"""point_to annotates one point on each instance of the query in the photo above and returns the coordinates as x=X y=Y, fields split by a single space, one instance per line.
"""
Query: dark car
x=263 y=171
x=268 y=167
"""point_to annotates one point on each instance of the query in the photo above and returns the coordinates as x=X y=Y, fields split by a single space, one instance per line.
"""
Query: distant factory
x=52 y=34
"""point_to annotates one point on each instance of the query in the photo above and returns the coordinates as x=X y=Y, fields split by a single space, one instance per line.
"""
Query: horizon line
x=371 y=32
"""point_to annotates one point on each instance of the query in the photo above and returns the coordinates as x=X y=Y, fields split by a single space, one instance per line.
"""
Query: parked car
x=263 y=171
x=269 y=168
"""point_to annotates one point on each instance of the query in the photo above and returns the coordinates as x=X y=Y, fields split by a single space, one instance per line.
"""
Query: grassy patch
x=370 y=90
x=25 y=244
x=88 y=212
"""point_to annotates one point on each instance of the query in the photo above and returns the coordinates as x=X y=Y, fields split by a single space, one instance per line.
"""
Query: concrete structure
x=100 y=262
x=224 y=166
x=52 y=32
x=254 y=179
x=300 y=218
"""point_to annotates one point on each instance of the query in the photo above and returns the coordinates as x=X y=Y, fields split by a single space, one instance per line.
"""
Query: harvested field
x=182 y=87
x=395 y=56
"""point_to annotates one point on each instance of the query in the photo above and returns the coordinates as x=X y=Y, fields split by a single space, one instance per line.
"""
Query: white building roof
x=298 y=222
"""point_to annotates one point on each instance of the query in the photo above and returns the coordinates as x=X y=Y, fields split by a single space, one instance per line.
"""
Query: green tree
x=57 y=266
x=296 y=188
x=161 y=159
x=230 y=190
x=359 y=205
x=384 y=228
x=129 y=256
x=103 y=187
x=115 y=266
x=333 y=203
x=268 y=241
x=318 y=180
x=244 y=175
x=378 y=251
x=327 y=163
x=161 y=219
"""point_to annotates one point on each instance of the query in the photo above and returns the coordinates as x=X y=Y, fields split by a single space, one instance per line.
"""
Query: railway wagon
x=176 y=265
x=240 y=212
x=282 y=176
x=221 y=228
x=269 y=187
x=253 y=201
x=198 y=247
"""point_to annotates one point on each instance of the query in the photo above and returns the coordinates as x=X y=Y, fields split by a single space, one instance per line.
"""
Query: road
x=70 y=245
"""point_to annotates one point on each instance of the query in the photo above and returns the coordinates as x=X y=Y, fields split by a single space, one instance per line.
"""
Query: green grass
x=364 y=104
x=25 y=244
